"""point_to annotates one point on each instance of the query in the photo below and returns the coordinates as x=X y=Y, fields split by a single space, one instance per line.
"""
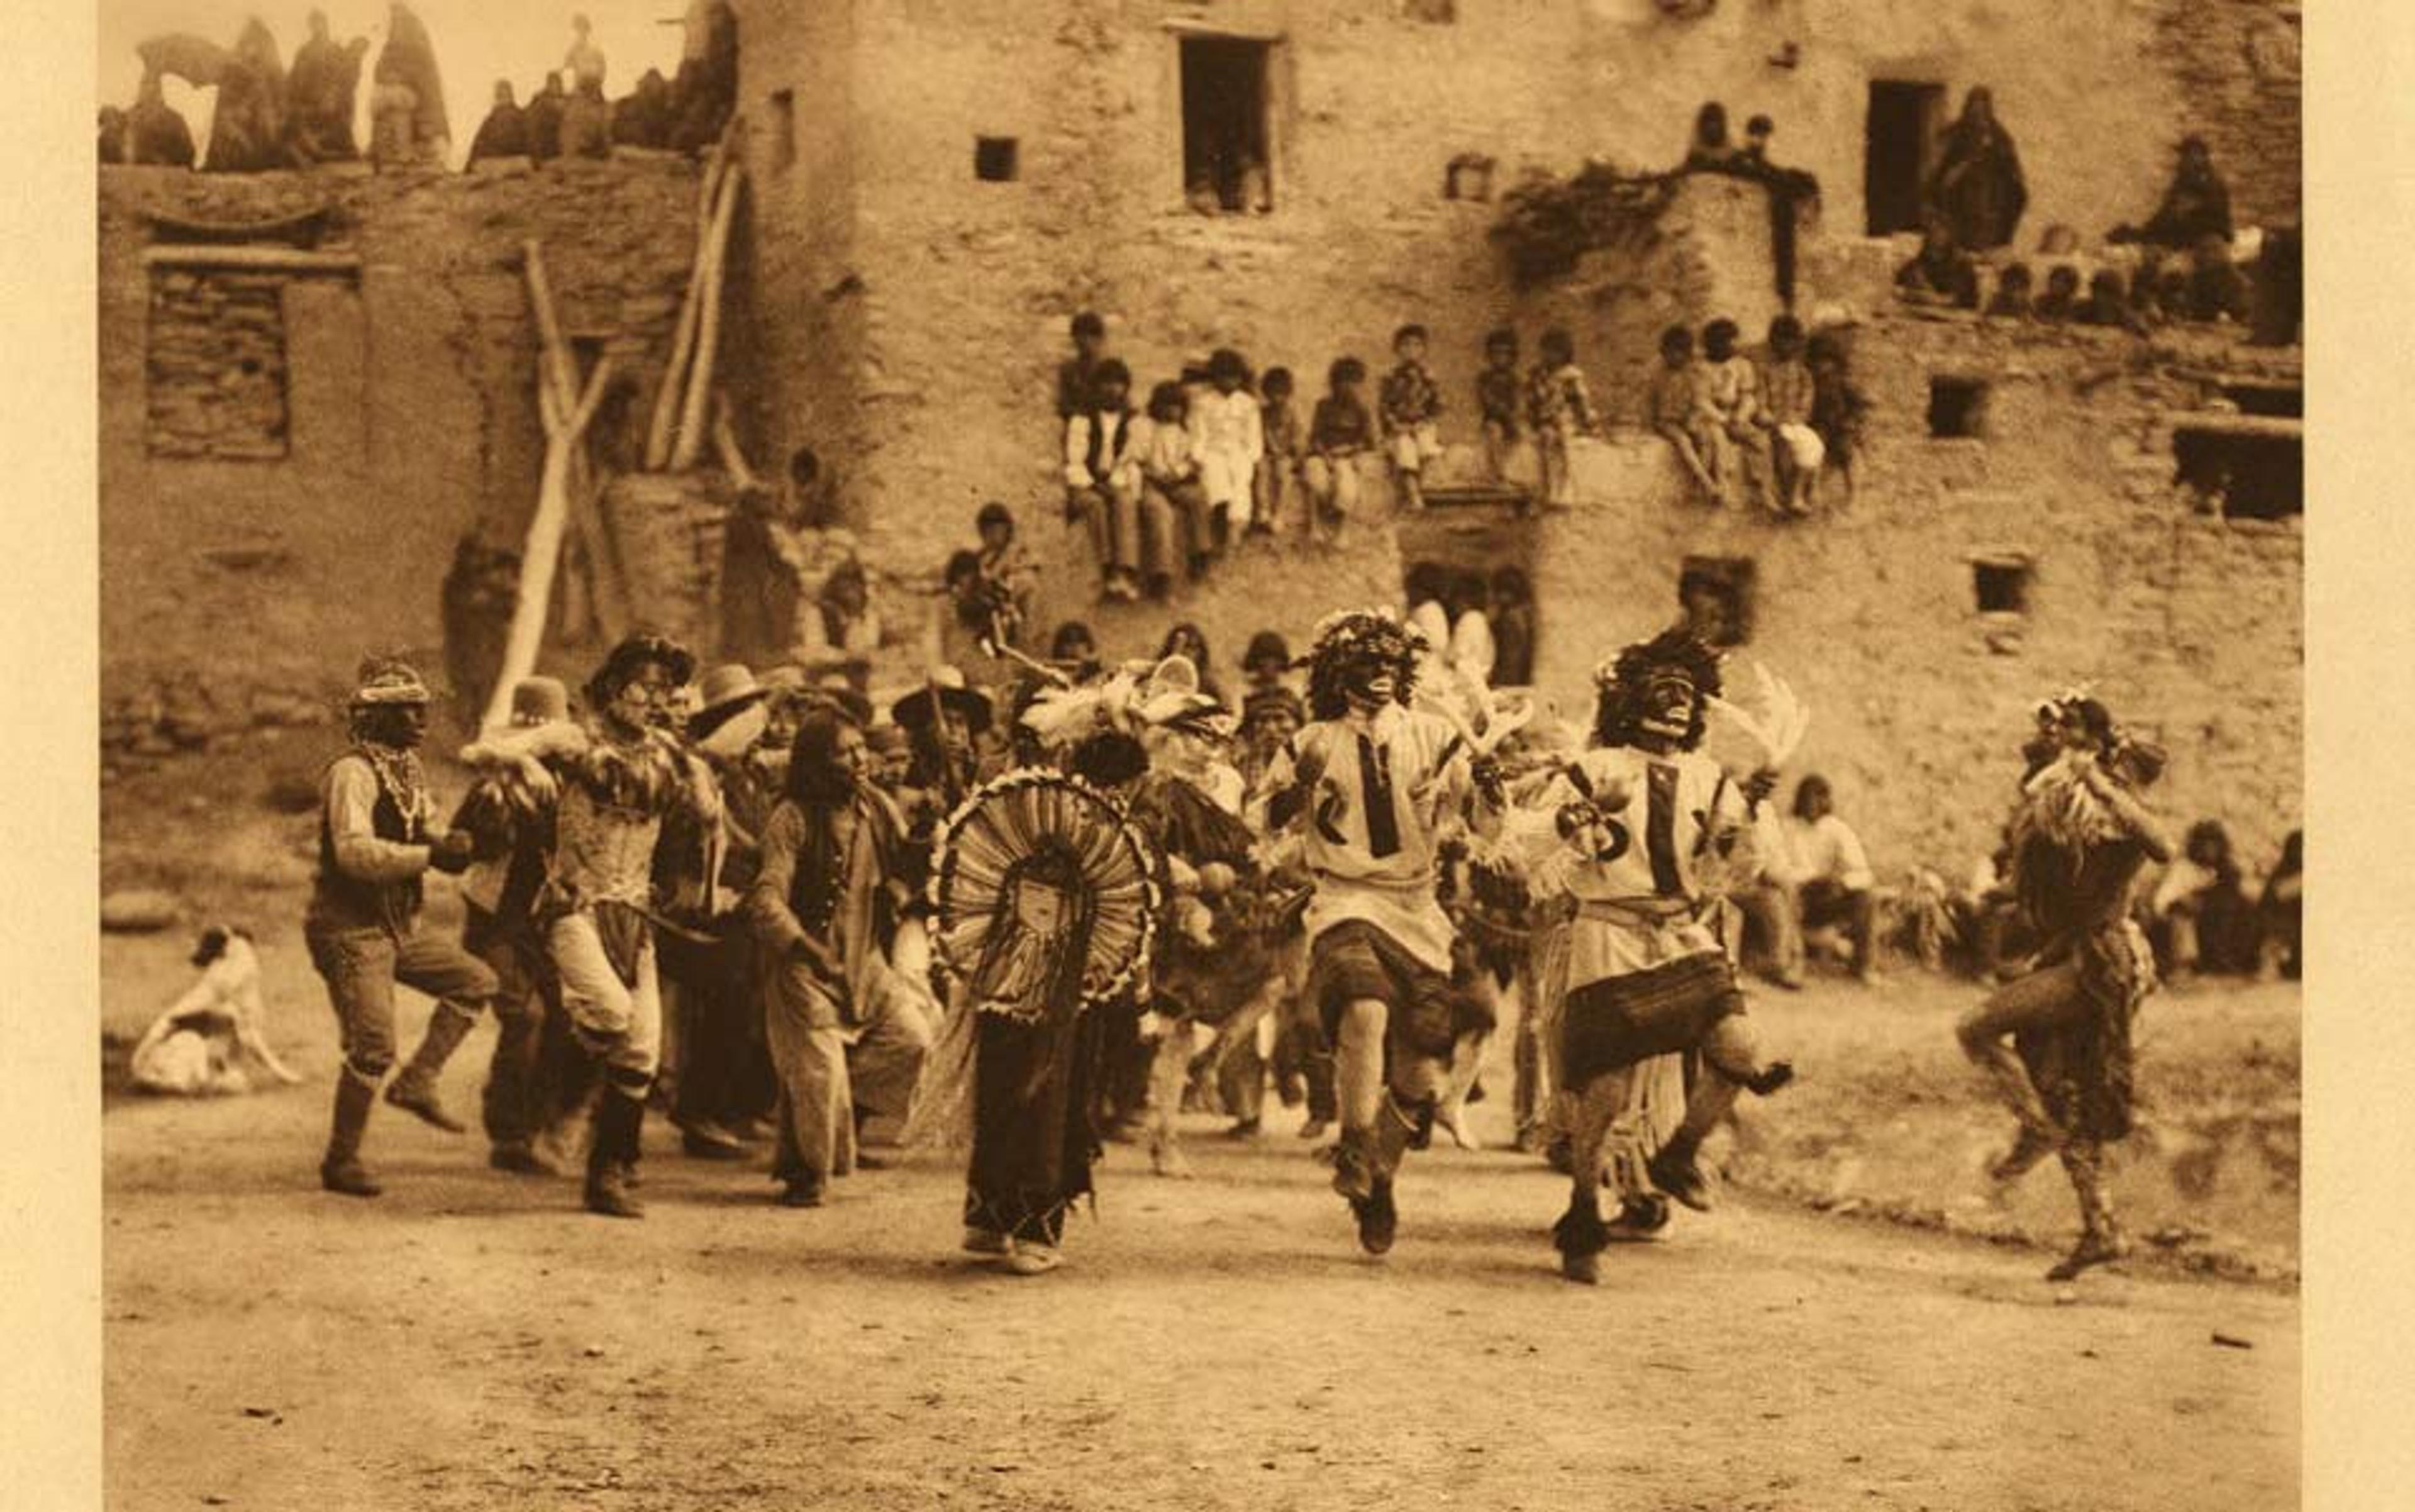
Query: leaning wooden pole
x=693 y=433
x=542 y=556
x=558 y=369
x=666 y=397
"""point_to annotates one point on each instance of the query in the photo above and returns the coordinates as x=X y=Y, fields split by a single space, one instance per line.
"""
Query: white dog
x=196 y=1048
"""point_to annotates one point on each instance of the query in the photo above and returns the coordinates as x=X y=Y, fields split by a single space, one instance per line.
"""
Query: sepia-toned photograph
x=1099 y=755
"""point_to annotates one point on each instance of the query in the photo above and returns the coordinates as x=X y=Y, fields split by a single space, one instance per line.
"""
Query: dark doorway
x=2244 y=474
x=1224 y=123
x=1901 y=136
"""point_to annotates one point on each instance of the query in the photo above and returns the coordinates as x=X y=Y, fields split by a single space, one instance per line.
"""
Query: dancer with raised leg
x=2057 y=1041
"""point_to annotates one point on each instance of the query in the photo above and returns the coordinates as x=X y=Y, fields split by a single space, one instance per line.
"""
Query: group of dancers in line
x=1138 y=877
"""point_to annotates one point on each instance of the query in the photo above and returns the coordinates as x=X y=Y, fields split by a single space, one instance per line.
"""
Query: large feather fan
x=1764 y=734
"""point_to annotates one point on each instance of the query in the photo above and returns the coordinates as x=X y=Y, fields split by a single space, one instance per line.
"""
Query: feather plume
x=1776 y=726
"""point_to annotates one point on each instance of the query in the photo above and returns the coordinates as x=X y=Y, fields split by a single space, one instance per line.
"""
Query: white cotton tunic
x=1395 y=893
x=1678 y=835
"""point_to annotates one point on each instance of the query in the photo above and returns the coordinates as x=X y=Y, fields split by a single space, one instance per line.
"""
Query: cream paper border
x=2358 y=1303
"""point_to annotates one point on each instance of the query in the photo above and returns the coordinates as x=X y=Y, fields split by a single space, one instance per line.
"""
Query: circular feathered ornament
x=1043 y=896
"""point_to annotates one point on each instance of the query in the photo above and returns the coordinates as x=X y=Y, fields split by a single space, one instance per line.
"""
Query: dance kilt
x=1622 y=1019
x=1355 y=960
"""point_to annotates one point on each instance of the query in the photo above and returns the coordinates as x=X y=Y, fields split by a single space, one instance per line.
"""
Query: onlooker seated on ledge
x=1941 y=274
x=2060 y=304
x=2195 y=205
x=2217 y=290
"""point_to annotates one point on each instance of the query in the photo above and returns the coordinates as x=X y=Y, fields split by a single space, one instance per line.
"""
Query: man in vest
x=375 y=847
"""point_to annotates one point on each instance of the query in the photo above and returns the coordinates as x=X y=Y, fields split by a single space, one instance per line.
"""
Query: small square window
x=2001 y=584
x=1958 y=407
x=995 y=159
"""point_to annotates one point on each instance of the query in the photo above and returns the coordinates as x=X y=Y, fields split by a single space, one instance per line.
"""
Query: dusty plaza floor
x=472 y=1340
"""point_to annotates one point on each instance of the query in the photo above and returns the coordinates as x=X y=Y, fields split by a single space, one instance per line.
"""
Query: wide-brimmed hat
x=540 y=700
x=725 y=693
x=946 y=689
x=387 y=681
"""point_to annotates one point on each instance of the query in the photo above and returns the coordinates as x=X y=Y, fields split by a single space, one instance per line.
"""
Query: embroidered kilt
x=1354 y=960
x=1619 y=1021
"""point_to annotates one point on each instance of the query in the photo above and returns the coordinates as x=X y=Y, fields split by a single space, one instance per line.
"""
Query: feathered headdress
x=1136 y=697
x=1624 y=682
x=1351 y=640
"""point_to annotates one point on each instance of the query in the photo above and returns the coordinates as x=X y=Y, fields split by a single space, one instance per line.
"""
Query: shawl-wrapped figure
x=1977 y=186
x=319 y=96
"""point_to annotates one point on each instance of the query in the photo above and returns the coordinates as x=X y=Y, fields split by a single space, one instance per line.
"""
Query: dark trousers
x=1826 y=903
x=516 y=1101
x=723 y=1066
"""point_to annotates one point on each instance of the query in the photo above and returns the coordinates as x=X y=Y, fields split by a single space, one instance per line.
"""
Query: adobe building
x=940 y=186
x=935 y=187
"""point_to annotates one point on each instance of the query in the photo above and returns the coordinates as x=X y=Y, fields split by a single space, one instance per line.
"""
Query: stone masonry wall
x=236 y=590
x=216 y=365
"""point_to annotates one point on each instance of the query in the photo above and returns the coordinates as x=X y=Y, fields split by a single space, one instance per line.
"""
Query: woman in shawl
x=2195 y=205
x=1977 y=186
x=407 y=103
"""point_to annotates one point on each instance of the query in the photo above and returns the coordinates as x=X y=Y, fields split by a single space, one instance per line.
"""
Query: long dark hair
x=816 y=779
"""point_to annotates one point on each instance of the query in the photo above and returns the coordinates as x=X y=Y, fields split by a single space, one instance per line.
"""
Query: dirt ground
x=471 y=1339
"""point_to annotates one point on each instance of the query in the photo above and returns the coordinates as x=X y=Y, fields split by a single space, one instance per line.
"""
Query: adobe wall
x=957 y=293
x=911 y=315
x=241 y=589
x=2190 y=626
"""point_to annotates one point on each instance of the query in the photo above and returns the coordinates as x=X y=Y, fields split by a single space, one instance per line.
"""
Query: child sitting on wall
x=1102 y=481
x=1496 y=400
x=2060 y=304
x=1337 y=433
x=2011 y=300
x=1173 y=505
x=1558 y=409
x=1676 y=405
x=1228 y=434
x=1791 y=446
x=1729 y=402
x=1411 y=404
